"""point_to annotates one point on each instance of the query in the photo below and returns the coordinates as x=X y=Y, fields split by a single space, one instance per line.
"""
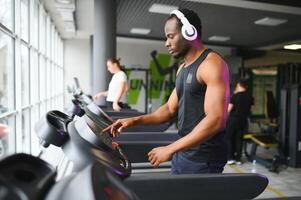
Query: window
x=25 y=75
x=31 y=80
x=48 y=79
x=35 y=33
x=6 y=74
x=26 y=130
x=6 y=13
x=24 y=19
x=35 y=144
x=42 y=71
x=34 y=77
x=42 y=36
x=48 y=37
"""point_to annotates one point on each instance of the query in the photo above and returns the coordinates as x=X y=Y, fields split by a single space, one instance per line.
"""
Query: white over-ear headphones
x=188 y=30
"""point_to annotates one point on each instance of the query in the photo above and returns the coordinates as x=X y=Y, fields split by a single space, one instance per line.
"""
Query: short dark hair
x=193 y=19
x=243 y=83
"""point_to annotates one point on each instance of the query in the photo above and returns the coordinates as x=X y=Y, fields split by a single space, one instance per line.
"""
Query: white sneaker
x=231 y=162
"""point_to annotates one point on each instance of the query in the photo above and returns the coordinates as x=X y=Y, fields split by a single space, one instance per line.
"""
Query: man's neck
x=193 y=53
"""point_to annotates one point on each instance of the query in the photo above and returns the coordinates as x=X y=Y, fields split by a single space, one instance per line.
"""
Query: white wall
x=77 y=63
x=136 y=53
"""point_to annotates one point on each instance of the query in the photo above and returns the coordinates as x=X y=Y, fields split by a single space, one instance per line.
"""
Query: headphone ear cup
x=185 y=32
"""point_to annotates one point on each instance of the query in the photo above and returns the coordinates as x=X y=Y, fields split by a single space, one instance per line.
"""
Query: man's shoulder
x=213 y=63
x=213 y=67
x=214 y=58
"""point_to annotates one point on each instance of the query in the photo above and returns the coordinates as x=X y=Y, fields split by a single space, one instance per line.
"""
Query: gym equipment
x=82 y=141
x=138 y=144
x=87 y=145
x=284 y=113
x=93 y=111
x=196 y=186
x=94 y=182
x=23 y=176
x=290 y=127
x=81 y=100
x=289 y=94
x=268 y=138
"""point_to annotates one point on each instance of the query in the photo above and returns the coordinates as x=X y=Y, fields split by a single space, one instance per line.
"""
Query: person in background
x=116 y=93
x=239 y=110
x=3 y=130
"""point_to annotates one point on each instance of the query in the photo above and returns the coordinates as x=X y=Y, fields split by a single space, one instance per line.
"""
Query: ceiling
x=232 y=18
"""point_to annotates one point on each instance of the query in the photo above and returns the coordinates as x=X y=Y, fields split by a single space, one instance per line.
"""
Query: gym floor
x=282 y=185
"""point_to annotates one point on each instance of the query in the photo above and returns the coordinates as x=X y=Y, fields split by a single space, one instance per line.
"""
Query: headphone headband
x=188 y=30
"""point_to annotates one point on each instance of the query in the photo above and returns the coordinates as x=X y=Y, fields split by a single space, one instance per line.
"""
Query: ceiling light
x=162 y=8
x=268 y=21
x=293 y=46
x=64 y=1
x=141 y=31
x=219 y=38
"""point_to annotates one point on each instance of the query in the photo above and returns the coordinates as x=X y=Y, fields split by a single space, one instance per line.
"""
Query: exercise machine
x=86 y=144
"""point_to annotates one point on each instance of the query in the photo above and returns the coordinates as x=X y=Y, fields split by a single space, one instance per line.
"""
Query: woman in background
x=116 y=93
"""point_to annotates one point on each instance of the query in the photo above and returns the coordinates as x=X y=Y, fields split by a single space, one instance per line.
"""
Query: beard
x=182 y=53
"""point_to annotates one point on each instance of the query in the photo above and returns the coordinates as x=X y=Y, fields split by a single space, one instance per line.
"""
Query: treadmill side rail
x=197 y=186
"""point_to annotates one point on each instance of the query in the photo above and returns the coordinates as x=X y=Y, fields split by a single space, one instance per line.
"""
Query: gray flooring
x=286 y=183
x=283 y=185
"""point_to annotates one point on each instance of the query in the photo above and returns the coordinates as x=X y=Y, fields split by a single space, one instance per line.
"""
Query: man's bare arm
x=215 y=75
x=161 y=115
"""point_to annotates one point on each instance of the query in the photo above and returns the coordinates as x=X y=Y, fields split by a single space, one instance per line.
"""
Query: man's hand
x=159 y=155
x=116 y=107
x=117 y=127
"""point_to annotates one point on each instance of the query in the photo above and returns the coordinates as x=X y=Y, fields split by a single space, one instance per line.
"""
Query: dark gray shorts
x=182 y=165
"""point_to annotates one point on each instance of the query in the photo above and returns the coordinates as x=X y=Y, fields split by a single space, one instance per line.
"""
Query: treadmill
x=87 y=144
x=25 y=177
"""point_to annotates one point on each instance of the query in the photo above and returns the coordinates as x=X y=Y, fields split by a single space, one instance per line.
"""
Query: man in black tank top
x=200 y=98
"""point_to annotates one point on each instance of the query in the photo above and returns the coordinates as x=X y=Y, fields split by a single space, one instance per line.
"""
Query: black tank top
x=191 y=95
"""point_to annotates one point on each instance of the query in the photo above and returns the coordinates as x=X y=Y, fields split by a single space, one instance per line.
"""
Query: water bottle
x=253 y=170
